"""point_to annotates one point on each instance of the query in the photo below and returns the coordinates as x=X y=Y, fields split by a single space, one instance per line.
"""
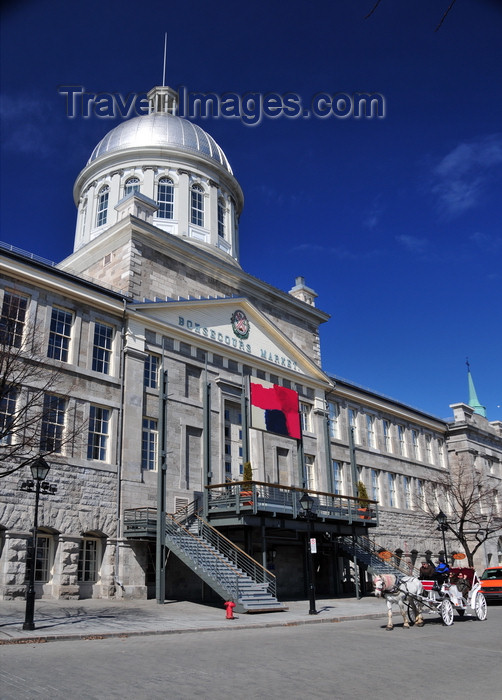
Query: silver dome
x=162 y=131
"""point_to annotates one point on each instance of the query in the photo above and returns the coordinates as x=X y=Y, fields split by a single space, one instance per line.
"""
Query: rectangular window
x=407 y=492
x=428 y=448
x=401 y=438
x=415 y=435
x=440 y=444
x=386 y=436
x=333 y=416
x=310 y=472
x=87 y=561
x=391 y=480
x=151 y=372
x=13 y=319
x=7 y=415
x=305 y=417
x=370 y=430
x=149 y=442
x=51 y=435
x=221 y=220
x=353 y=424
x=197 y=206
x=59 y=337
x=419 y=485
x=165 y=199
x=375 y=485
x=99 y=423
x=42 y=561
x=337 y=477
x=102 y=348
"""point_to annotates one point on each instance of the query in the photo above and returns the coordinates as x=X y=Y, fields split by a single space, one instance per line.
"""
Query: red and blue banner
x=274 y=409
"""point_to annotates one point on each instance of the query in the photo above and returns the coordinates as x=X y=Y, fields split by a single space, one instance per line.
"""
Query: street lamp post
x=39 y=470
x=306 y=503
x=443 y=526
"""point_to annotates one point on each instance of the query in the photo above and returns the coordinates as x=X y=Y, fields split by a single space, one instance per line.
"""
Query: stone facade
x=144 y=296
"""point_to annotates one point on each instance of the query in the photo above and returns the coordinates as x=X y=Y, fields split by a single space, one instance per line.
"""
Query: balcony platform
x=241 y=503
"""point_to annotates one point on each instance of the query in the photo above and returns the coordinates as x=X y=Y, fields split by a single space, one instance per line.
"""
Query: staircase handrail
x=244 y=561
x=372 y=548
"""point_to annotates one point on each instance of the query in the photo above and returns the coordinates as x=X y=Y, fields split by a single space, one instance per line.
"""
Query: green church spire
x=473 y=398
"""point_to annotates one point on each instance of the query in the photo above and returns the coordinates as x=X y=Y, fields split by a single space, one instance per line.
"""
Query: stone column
x=64 y=581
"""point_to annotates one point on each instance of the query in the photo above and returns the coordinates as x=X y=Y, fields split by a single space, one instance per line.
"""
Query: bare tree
x=469 y=497
x=32 y=396
x=445 y=13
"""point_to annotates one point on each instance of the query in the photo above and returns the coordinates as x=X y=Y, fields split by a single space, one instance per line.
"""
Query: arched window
x=221 y=218
x=131 y=185
x=197 y=206
x=165 y=198
x=102 y=213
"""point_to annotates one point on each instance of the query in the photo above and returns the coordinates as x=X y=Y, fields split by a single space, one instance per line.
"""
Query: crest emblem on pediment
x=240 y=324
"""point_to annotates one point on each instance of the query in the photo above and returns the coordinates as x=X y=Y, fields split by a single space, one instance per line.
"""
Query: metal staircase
x=369 y=554
x=227 y=569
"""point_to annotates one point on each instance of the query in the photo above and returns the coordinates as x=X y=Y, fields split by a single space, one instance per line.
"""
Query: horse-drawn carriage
x=448 y=598
x=415 y=596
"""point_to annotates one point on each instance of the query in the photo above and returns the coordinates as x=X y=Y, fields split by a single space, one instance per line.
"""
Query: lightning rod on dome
x=165 y=59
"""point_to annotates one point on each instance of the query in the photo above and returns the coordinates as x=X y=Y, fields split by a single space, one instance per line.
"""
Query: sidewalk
x=97 y=619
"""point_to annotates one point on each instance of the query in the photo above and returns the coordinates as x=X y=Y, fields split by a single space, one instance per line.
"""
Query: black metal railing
x=259 y=497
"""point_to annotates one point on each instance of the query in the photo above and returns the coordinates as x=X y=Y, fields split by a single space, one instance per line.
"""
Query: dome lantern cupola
x=170 y=161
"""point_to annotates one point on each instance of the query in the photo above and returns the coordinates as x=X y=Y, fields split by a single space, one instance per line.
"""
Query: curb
x=42 y=639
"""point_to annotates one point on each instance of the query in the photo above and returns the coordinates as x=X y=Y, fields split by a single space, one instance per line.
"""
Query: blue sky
x=395 y=222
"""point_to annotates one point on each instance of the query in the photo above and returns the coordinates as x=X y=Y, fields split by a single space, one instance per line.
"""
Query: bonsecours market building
x=178 y=368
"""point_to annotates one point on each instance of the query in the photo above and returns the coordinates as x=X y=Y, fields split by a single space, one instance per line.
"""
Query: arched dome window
x=197 y=205
x=165 y=198
x=221 y=217
x=131 y=185
x=102 y=212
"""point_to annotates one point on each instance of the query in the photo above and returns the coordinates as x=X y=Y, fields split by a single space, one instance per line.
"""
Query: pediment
x=234 y=326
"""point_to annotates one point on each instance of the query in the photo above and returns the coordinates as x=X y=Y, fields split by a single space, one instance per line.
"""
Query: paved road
x=341 y=661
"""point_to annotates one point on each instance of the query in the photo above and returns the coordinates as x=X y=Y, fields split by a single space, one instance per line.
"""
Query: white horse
x=400 y=591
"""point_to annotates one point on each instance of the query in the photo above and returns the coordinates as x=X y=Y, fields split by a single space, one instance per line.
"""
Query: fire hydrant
x=229 y=605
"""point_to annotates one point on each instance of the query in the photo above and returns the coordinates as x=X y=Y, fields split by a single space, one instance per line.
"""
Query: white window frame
x=370 y=430
x=305 y=417
x=337 y=476
x=60 y=334
x=165 y=198
x=375 y=485
x=401 y=437
x=131 y=185
x=391 y=482
x=102 y=347
x=333 y=417
x=13 y=319
x=99 y=433
x=102 y=207
x=53 y=423
x=149 y=444
x=197 y=213
x=387 y=436
x=89 y=557
x=151 y=371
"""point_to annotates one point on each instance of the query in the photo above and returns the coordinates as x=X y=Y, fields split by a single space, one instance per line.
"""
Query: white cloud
x=460 y=177
x=413 y=243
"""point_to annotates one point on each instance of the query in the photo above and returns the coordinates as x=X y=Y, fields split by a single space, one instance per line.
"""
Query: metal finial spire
x=473 y=397
x=165 y=60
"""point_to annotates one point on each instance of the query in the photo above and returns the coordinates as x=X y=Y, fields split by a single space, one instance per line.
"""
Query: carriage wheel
x=480 y=606
x=412 y=613
x=446 y=611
